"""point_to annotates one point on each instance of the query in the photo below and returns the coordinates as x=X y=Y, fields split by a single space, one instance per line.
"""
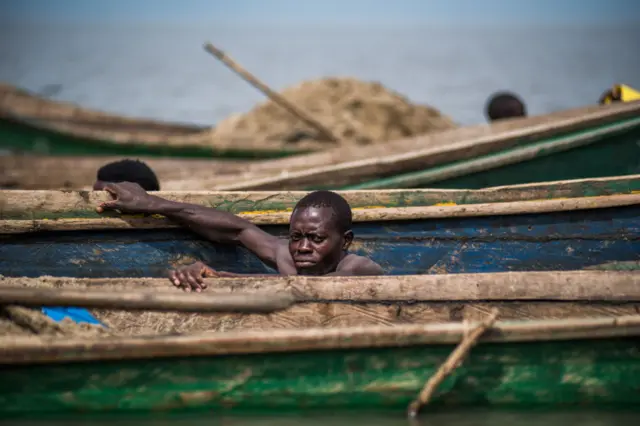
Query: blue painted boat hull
x=551 y=241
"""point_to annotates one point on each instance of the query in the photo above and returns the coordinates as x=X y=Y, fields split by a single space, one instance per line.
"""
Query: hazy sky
x=364 y=12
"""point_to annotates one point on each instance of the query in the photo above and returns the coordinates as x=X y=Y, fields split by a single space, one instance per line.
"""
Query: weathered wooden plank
x=442 y=162
x=363 y=215
x=610 y=151
x=20 y=350
x=550 y=363
x=503 y=286
x=17 y=204
x=383 y=301
x=569 y=240
x=151 y=301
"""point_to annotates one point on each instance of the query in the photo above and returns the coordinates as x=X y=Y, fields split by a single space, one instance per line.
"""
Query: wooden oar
x=275 y=97
x=256 y=302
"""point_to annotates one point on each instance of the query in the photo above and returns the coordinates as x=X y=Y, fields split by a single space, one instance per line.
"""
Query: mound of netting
x=355 y=111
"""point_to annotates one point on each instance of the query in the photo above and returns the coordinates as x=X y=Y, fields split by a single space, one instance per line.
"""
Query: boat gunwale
x=521 y=286
x=387 y=214
x=30 y=350
x=435 y=154
x=483 y=163
x=65 y=200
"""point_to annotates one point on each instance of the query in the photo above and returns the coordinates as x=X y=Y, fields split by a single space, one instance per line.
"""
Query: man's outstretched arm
x=209 y=222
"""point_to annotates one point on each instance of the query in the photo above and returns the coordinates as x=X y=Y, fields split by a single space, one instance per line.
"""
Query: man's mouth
x=304 y=263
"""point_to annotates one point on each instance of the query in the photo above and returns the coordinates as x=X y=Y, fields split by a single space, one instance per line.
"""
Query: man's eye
x=317 y=239
x=295 y=237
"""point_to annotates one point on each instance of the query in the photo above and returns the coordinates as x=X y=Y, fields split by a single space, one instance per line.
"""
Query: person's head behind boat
x=127 y=171
x=502 y=105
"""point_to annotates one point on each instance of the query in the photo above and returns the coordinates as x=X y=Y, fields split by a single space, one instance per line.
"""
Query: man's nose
x=304 y=246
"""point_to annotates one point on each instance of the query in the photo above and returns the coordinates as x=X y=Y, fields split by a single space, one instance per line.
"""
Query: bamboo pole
x=275 y=97
x=453 y=362
x=257 y=302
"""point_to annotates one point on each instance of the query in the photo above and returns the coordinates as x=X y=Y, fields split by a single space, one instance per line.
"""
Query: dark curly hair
x=504 y=105
x=340 y=206
x=129 y=171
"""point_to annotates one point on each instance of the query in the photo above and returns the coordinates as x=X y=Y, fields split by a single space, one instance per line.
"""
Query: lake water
x=163 y=72
x=459 y=418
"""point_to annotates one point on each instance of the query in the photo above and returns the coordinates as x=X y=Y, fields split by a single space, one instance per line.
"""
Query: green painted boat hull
x=603 y=372
x=613 y=153
x=21 y=136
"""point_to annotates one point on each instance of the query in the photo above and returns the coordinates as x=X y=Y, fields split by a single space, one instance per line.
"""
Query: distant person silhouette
x=619 y=93
x=127 y=170
x=503 y=105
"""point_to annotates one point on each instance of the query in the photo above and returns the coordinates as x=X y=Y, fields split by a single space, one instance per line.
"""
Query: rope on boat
x=453 y=361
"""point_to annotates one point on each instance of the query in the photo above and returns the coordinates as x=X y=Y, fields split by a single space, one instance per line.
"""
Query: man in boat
x=127 y=171
x=319 y=234
x=619 y=93
x=503 y=105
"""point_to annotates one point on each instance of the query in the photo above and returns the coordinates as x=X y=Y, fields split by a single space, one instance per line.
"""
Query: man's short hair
x=333 y=200
x=129 y=171
x=504 y=105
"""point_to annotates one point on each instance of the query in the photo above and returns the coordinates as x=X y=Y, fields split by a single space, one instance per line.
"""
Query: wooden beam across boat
x=556 y=226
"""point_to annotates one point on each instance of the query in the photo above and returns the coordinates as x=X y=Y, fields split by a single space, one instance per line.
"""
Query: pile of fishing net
x=356 y=112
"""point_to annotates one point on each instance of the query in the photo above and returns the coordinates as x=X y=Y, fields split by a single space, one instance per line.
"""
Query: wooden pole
x=258 y=302
x=453 y=362
x=275 y=97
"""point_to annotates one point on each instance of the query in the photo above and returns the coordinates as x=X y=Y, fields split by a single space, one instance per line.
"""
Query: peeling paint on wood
x=569 y=240
x=518 y=365
x=393 y=300
x=31 y=205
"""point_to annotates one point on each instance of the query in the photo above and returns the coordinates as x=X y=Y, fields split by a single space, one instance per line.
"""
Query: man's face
x=315 y=243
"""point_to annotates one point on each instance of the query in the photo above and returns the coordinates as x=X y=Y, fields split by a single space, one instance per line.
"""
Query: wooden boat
x=34 y=124
x=589 y=142
x=597 y=141
x=553 y=226
x=561 y=363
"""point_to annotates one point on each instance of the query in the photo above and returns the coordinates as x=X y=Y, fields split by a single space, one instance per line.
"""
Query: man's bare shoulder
x=284 y=261
x=352 y=264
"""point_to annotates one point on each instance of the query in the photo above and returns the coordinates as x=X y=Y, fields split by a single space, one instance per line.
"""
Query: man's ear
x=348 y=239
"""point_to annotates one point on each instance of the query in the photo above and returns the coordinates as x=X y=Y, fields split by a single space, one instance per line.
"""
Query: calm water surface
x=162 y=72
x=462 y=418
